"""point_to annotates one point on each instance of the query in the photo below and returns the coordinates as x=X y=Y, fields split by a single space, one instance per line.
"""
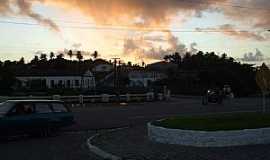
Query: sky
x=136 y=30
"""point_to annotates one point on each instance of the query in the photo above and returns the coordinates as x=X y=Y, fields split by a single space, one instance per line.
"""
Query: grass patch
x=237 y=121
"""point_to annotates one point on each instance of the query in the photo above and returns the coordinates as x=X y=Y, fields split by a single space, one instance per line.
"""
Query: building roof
x=52 y=73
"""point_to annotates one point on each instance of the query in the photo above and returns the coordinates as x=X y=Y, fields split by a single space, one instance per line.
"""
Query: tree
x=79 y=56
x=60 y=56
x=95 y=55
x=70 y=54
x=52 y=55
x=7 y=80
x=174 y=58
x=263 y=81
x=43 y=57
x=21 y=61
x=35 y=60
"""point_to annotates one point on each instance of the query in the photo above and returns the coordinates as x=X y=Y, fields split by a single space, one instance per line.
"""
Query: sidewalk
x=133 y=143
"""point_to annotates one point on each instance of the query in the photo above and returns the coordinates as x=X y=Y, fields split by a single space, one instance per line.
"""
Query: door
x=20 y=119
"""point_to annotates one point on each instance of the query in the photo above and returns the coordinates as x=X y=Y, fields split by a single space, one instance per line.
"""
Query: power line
x=229 y=4
x=123 y=28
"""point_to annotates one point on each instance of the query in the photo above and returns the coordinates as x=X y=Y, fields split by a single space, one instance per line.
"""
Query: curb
x=99 y=152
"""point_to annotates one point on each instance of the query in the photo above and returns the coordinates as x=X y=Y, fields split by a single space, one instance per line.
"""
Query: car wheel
x=47 y=131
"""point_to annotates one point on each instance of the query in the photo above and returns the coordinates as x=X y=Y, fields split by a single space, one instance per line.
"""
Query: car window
x=5 y=107
x=22 y=109
x=59 y=107
x=43 y=108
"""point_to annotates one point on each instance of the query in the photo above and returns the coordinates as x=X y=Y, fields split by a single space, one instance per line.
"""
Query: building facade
x=144 y=78
x=59 y=80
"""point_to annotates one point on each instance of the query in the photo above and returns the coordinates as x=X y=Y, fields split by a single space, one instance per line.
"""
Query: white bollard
x=81 y=100
x=128 y=97
x=160 y=96
x=168 y=96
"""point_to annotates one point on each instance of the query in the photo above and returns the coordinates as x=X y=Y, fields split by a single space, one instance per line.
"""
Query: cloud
x=4 y=7
x=229 y=30
x=25 y=9
x=76 y=45
x=253 y=13
x=254 y=57
x=137 y=47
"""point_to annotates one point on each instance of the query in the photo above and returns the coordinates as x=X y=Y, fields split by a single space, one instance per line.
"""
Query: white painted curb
x=99 y=152
x=208 y=138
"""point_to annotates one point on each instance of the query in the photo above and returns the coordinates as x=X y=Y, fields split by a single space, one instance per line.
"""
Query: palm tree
x=60 y=56
x=79 y=55
x=70 y=54
x=52 y=55
x=43 y=57
x=95 y=55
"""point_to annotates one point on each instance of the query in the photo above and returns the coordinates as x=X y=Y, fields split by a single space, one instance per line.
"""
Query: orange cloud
x=229 y=30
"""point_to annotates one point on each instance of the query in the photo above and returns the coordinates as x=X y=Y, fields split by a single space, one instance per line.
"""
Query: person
x=28 y=109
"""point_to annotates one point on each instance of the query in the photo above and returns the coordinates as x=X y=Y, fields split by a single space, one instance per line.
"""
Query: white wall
x=85 y=82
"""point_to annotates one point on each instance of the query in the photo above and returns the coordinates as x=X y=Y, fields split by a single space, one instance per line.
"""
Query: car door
x=43 y=114
x=63 y=114
x=20 y=118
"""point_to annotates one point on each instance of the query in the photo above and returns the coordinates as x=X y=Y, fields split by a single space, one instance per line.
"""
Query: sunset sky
x=135 y=30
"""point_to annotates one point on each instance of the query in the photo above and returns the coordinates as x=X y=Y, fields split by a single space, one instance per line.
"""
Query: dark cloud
x=4 y=7
x=254 y=57
x=25 y=9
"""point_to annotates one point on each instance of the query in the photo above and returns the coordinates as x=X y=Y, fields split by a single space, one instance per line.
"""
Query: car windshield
x=5 y=107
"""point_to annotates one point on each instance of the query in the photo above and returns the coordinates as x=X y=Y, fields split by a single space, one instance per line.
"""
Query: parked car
x=33 y=117
x=212 y=96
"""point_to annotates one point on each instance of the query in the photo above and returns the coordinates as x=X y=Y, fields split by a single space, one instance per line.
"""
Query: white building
x=60 y=80
x=144 y=78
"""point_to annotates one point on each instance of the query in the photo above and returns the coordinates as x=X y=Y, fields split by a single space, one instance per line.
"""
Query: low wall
x=208 y=139
x=104 y=98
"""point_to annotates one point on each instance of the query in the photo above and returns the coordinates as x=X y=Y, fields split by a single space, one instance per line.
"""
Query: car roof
x=34 y=100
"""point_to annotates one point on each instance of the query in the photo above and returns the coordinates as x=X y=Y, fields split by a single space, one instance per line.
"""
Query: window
x=68 y=83
x=58 y=107
x=22 y=109
x=43 y=108
x=52 y=83
x=77 y=83
x=60 y=83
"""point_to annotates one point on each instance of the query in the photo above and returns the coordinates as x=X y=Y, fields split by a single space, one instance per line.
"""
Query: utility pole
x=115 y=77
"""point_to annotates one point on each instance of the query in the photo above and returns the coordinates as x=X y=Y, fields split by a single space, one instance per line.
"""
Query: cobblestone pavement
x=133 y=144
x=67 y=146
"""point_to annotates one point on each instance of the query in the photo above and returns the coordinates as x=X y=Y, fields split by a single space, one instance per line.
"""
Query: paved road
x=110 y=116
x=69 y=146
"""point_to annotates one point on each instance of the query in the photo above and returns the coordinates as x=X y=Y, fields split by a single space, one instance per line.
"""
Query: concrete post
x=128 y=97
x=81 y=100
x=160 y=96
x=105 y=98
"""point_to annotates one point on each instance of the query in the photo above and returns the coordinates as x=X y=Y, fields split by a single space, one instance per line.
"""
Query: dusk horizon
x=136 y=30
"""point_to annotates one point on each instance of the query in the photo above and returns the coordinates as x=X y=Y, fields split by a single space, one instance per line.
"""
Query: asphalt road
x=70 y=145
x=101 y=116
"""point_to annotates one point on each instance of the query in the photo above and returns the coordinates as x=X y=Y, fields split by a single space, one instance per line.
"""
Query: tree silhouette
x=21 y=61
x=95 y=55
x=70 y=54
x=43 y=57
x=79 y=56
x=52 y=55
x=60 y=56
